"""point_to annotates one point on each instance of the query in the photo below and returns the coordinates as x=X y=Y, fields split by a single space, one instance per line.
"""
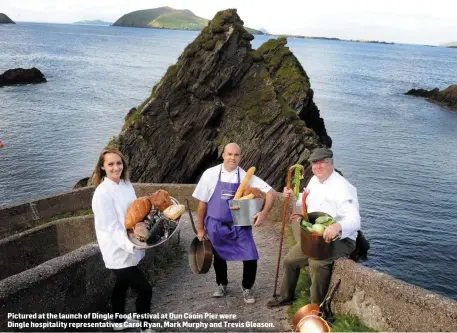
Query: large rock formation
x=446 y=97
x=4 y=19
x=21 y=76
x=222 y=91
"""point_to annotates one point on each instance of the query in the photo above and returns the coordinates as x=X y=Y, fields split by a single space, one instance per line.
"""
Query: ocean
x=399 y=151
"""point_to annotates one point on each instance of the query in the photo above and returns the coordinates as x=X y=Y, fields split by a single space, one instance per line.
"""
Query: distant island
x=451 y=45
x=4 y=19
x=93 y=22
x=334 y=38
x=166 y=18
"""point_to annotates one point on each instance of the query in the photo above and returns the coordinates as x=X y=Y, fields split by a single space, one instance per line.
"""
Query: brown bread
x=161 y=200
x=137 y=211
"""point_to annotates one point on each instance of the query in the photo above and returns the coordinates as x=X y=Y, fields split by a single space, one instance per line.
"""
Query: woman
x=113 y=196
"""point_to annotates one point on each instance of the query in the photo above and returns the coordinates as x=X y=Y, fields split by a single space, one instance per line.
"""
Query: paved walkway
x=180 y=293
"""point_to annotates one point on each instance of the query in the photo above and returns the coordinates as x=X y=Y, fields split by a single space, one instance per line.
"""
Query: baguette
x=244 y=183
x=246 y=197
x=137 y=211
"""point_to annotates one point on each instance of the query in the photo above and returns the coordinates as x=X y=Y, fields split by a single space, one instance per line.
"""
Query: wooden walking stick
x=299 y=171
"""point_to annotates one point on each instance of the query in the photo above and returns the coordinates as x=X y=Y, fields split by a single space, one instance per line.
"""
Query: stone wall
x=76 y=282
x=27 y=215
x=388 y=304
x=30 y=248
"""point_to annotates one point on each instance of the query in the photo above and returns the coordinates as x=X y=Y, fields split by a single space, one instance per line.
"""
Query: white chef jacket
x=338 y=198
x=207 y=184
x=109 y=204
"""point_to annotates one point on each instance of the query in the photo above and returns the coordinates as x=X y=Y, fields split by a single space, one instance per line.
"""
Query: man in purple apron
x=216 y=187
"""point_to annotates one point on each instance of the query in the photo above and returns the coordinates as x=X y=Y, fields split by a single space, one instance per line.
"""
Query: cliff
x=4 y=19
x=166 y=18
x=220 y=91
x=446 y=97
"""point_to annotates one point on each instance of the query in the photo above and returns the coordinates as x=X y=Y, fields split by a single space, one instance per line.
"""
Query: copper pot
x=312 y=324
x=314 y=246
x=308 y=309
x=200 y=252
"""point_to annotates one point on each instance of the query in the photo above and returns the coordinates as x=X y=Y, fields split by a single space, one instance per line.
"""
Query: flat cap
x=320 y=154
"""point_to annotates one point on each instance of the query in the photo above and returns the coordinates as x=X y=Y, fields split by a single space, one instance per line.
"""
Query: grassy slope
x=165 y=18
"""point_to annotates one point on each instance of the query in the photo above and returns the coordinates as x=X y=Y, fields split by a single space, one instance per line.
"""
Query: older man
x=216 y=187
x=330 y=193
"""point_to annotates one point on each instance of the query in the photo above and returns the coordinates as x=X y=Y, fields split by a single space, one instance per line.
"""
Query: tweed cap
x=320 y=154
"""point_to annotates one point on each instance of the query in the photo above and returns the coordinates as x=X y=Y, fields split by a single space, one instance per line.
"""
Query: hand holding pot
x=332 y=231
x=201 y=234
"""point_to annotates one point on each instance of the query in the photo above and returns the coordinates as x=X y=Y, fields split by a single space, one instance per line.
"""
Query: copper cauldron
x=200 y=252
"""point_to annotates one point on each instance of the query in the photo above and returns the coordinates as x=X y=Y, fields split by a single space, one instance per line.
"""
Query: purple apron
x=231 y=242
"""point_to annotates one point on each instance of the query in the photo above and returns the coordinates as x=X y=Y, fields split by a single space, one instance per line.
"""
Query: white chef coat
x=109 y=204
x=207 y=184
x=338 y=198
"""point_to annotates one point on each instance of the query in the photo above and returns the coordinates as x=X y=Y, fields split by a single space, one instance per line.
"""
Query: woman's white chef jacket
x=338 y=198
x=109 y=204
x=207 y=184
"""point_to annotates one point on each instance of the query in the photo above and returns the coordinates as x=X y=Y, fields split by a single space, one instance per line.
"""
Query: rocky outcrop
x=81 y=183
x=21 y=76
x=446 y=97
x=4 y=19
x=221 y=91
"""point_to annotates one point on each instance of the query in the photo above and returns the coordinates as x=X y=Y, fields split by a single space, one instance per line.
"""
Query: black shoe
x=275 y=302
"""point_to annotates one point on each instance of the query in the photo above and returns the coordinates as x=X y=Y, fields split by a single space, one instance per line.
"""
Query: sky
x=401 y=21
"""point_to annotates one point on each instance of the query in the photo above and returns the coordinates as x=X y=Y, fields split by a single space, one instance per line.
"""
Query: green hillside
x=5 y=19
x=165 y=18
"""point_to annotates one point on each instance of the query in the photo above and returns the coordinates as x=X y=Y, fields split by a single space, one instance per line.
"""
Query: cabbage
x=319 y=228
x=306 y=224
x=323 y=219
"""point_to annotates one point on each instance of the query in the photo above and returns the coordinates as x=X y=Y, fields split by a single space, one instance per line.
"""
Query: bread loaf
x=174 y=211
x=258 y=194
x=244 y=183
x=161 y=200
x=137 y=211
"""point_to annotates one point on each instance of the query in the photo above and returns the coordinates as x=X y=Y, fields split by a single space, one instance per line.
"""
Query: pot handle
x=191 y=218
x=330 y=293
